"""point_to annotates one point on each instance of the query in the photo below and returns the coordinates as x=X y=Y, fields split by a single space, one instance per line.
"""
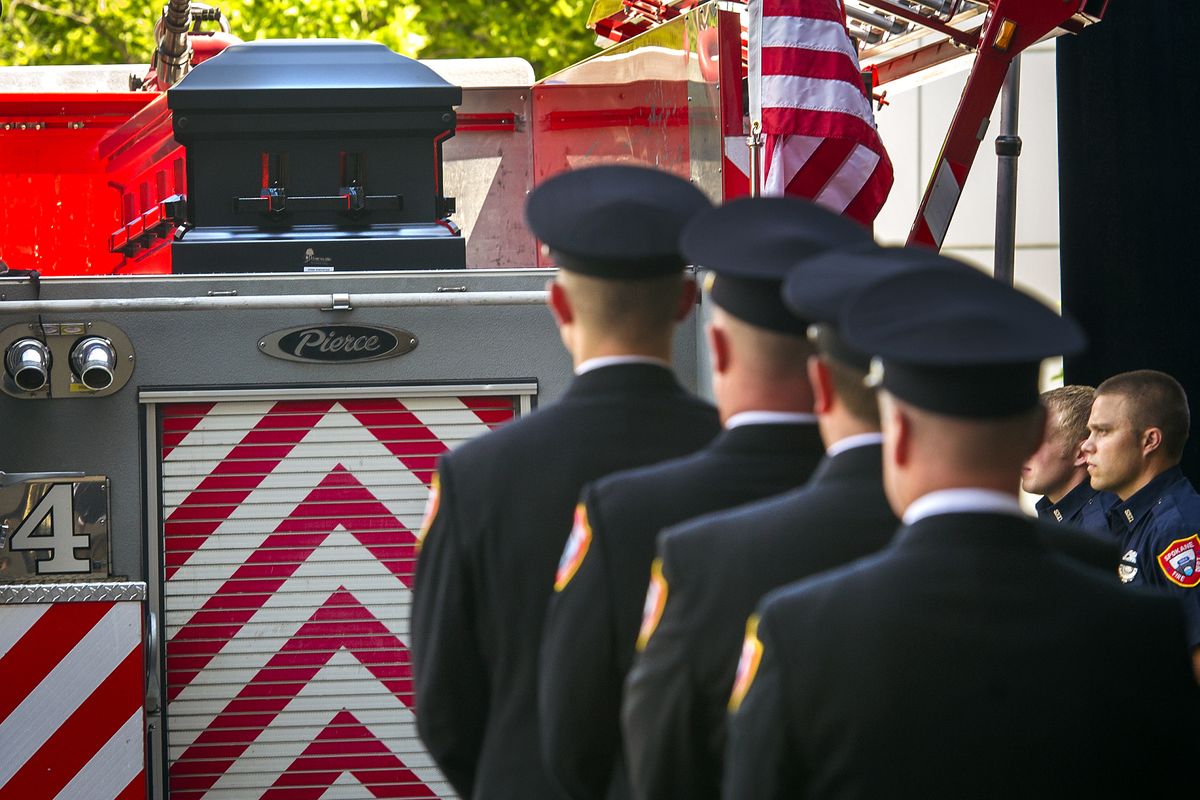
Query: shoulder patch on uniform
x=577 y=546
x=1179 y=561
x=747 y=667
x=656 y=601
x=432 y=502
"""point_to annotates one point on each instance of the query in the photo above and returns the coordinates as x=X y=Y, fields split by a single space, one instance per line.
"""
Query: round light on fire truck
x=28 y=364
x=94 y=360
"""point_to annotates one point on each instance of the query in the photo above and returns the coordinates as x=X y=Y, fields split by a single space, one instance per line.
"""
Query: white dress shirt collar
x=958 y=501
x=770 y=418
x=610 y=361
x=851 y=442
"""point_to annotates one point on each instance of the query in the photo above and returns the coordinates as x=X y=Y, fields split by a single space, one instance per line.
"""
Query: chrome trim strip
x=333 y=392
x=22 y=593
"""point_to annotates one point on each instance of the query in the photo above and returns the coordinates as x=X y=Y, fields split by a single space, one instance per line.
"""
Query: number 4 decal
x=62 y=541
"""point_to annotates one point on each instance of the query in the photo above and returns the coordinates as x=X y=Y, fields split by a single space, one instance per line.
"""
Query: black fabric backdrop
x=1128 y=169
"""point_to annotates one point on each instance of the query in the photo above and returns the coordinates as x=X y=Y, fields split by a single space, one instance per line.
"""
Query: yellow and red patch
x=747 y=668
x=656 y=601
x=577 y=547
x=1180 y=562
x=432 y=503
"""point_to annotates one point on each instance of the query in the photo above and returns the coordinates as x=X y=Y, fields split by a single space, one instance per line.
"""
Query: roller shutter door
x=288 y=553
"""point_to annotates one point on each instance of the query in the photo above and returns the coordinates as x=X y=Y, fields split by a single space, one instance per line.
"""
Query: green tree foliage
x=549 y=33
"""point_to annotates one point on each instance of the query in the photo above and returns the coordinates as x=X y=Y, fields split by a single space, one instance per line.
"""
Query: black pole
x=1008 y=151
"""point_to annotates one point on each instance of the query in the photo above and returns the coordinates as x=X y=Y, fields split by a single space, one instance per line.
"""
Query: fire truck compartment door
x=288 y=548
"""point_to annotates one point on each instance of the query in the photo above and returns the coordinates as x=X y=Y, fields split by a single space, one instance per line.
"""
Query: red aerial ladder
x=897 y=39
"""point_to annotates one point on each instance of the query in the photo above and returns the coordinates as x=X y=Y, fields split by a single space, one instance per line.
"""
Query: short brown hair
x=631 y=309
x=1072 y=405
x=850 y=384
x=1155 y=400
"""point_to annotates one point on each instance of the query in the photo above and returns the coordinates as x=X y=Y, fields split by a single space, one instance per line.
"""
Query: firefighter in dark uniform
x=714 y=569
x=1139 y=425
x=501 y=511
x=758 y=352
x=1058 y=470
x=967 y=658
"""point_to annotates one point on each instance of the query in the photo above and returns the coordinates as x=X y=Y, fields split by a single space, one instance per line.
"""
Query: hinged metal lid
x=320 y=74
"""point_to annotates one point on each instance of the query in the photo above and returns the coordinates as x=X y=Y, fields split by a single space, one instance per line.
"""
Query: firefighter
x=502 y=508
x=758 y=353
x=1138 y=427
x=1058 y=470
x=716 y=568
x=967 y=658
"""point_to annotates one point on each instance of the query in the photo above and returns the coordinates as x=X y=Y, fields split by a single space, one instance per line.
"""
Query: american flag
x=806 y=88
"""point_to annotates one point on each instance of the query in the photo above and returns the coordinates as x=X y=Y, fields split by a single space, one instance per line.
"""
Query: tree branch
x=76 y=18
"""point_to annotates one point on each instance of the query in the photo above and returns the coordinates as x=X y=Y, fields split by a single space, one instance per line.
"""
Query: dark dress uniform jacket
x=717 y=568
x=965 y=660
x=487 y=564
x=593 y=621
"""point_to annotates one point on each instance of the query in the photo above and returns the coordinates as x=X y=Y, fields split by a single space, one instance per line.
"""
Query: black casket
x=314 y=156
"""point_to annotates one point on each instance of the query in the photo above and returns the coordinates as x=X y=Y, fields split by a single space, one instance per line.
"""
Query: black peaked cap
x=958 y=343
x=750 y=244
x=614 y=221
x=819 y=288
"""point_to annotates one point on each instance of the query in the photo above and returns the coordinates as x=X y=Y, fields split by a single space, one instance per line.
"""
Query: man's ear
x=901 y=428
x=719 y=350
x=1152 y=439
x=687 y=299
x=821 y=380
x=559 y=303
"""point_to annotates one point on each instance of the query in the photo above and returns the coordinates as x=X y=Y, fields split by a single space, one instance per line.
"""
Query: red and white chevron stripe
x=71 y=723
x=289 y=551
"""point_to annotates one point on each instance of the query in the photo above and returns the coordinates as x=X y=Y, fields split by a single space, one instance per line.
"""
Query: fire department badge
x=1127 y=570
x=747 y=666
x=1179 y=561
x=577 y=546
x=656 y=601
x=431 y=508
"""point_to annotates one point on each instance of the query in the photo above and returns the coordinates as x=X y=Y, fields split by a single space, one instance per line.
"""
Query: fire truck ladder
x=902 y=38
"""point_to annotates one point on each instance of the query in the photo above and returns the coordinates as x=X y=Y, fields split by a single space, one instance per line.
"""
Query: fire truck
x=250 y=295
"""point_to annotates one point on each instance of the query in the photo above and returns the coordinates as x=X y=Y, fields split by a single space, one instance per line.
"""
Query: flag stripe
x=825 y=161
x=806 y=33
x=785 y=157
x=807 y=94
x=812 y=94
x=843 y=187
x=814 y=64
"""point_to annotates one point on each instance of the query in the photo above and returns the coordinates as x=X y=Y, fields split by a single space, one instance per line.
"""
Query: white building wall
x=913 y=127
